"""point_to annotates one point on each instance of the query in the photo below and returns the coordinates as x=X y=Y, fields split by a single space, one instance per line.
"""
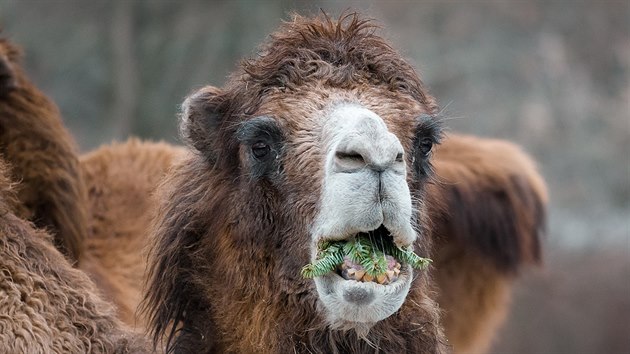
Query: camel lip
x=380 y=232
x=364 y=257
x=352 y=304
x=335 y=280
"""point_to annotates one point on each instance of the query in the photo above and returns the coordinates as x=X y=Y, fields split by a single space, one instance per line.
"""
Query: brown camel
x=328 y=133
x=487 y=219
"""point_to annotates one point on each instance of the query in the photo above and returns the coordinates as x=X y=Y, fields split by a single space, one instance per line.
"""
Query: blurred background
x=552 y=76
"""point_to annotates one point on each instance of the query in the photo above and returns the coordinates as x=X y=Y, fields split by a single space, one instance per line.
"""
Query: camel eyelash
x=259 y=129
x=430 y=127
x=429 y=132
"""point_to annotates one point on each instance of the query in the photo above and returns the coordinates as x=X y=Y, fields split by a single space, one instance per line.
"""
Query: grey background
x=549 y=75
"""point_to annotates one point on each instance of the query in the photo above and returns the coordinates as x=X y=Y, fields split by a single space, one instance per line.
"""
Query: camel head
x=324 y=135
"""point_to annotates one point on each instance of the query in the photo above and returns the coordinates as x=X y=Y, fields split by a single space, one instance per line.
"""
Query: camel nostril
x=349 y=161
x=354 y=156
x=364 y=143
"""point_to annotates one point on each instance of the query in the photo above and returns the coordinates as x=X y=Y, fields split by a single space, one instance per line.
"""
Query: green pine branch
x=328 y=258
x=361 y=251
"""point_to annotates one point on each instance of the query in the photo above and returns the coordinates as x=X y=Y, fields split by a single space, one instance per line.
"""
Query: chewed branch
x=361 y=251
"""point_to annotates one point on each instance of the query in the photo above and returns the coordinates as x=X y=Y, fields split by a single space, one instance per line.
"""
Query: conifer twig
x=360 y=250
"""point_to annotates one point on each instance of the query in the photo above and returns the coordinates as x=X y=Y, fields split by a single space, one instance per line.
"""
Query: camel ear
x=200 y=119
x=8 y=80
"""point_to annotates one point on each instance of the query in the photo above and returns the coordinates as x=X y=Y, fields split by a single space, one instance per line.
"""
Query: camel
x=120 y=180
x=46 y=305
x=258 y=153
x=327 y=134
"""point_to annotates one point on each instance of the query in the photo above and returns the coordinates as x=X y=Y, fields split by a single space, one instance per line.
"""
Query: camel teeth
x=358 y=275
x=367 y=278
x=381 y=279
x=390 y=275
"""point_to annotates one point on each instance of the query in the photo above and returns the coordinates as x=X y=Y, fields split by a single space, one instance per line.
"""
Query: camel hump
x=43 y=157
x=491 y=198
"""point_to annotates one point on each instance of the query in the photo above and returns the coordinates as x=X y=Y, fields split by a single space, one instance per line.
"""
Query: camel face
x=323 y=136
x=347 y=162
x=364 y=190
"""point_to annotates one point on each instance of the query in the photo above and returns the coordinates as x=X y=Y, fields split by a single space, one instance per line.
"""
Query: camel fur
x=46 y=305
x=120 y=179
x=97 y=206
x=43 y=156
x=487 y=223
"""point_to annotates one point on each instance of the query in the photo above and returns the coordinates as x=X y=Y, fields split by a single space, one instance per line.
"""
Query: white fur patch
x=342 y=314
x=364 y=187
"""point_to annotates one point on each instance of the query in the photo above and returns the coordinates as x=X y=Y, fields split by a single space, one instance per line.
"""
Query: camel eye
x=260 y=149
x=263 y=138
x=426 y=145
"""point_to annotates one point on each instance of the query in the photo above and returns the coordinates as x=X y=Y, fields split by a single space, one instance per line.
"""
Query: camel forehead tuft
x=343 y=53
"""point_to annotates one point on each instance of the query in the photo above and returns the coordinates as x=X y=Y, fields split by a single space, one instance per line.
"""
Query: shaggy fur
x=43 y=157
x=120 y=180
x=46 y=306
x=104 y=231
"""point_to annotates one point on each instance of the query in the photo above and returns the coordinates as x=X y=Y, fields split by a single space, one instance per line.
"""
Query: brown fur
x=120 y=180
x=46 y=306
x=112 y=224
x=43 y=157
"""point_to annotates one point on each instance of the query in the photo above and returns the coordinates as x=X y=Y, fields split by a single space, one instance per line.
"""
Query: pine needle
x=361 y=250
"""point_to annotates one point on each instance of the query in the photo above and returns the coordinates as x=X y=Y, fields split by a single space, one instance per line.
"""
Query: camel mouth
x=371 y=256
x=350 y=270
x=378 y=263
x=353 y=304
x=363 y=278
